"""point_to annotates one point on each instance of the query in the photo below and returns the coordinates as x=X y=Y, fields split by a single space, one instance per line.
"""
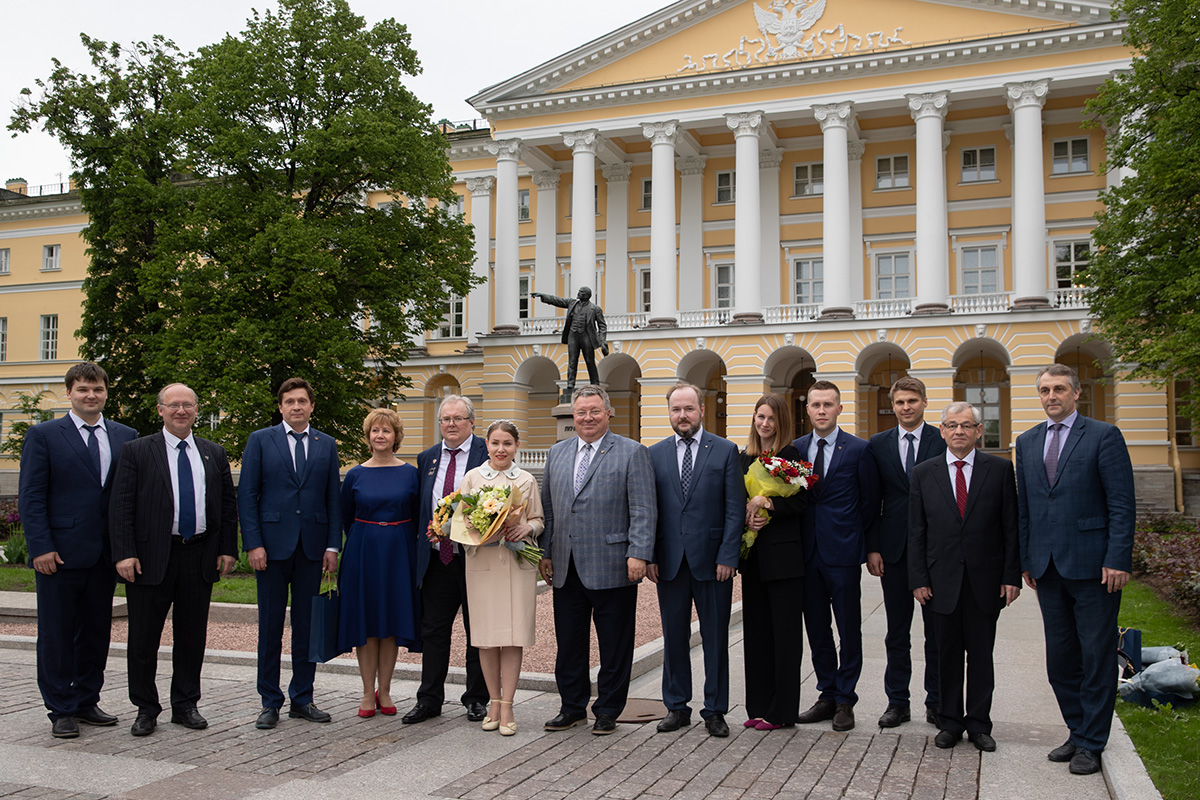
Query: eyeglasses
x=454 y=420
x=953 y=426
x=178 y=406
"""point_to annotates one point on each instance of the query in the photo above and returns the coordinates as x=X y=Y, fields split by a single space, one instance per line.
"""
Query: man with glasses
x=441 y=574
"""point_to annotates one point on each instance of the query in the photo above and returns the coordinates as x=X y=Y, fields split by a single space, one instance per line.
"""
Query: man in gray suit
x=598 y=497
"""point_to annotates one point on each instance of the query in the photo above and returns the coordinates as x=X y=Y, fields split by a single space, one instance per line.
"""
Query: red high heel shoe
x=387 y=711
x=366 y=712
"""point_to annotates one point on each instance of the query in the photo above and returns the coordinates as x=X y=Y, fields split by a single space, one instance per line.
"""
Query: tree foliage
x=1146 y=267
x=31 y=406
x=257 y=254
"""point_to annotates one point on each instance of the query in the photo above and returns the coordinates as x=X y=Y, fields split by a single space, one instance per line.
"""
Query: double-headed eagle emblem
x=788 y=26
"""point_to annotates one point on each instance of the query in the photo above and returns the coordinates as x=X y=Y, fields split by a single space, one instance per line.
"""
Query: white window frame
x=456 y=207
x=991 y=412
x=5 y=257
x=524 y=301
x=48 y=338
x=886 y=172
x=3 y=339
x=1073 y=261
x=1066 y=164
x=647 y=195
x=51 y=257
x=804 y=183
x=975 y=173
x=722 y=277
x=814 y=262
x=642 y=289
x=878 y=277
x=454 y=323
x=729 y=177
x=963 y=249
x=523 y=207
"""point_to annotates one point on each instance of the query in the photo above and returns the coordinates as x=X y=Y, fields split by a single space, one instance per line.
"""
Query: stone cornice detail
x=617 y=173
x=770 y=157
x=834 y=115
x=505 y=149
x=1027 y=93
x=585 y=141
x=661 y=132
x=855 y=149
x=546 y=178
x=34 y=208
x=480 y=186
x=929 y=104
x=691 y=165
x=745 y=123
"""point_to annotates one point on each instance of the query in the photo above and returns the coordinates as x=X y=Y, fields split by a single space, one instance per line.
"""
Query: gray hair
x=1059 y=371
x=592 y=390
x=163 y=391
x=457 y=398
x=960 y=406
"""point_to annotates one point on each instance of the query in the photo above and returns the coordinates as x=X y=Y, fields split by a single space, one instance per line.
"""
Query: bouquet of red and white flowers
x=771 y=476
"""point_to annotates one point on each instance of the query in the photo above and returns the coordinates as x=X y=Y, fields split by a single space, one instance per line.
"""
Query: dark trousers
x=613 y=611
x=713 y=600
x=443 y=593
x=838 y=590
x=898 y=603
x=589 y=358
x=74 y=616
x=302 y=576
x=1080 y=618
x=967 y=630
x=772 y=645
x=184 y=592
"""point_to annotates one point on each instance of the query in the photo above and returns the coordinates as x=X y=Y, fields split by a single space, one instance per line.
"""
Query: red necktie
x=960 y=488
x=445 y=549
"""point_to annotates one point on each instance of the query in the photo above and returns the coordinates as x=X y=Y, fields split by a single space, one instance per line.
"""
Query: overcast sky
x=464 y=46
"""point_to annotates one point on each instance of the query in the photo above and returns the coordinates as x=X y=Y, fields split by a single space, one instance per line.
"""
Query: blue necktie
x=187 y=495
x=300 y=455
x=93 y=446
x=910 y=458
x=685 y=471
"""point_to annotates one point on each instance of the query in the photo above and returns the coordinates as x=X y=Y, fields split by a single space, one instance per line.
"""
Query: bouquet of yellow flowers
x=771 y=476
x=439 y=526
x=478 y=518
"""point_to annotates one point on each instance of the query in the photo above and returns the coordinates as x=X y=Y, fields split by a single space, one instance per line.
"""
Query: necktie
x=819 y=464
x=93 y=446
x=585 y=459
x=300 y=454
x=187 y=495
x=445 y=548
x=910 y=458
x=685 y=471
x=1052 y=453
x=960 y=488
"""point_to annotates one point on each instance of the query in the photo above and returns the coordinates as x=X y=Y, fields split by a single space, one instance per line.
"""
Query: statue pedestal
x=564 y=421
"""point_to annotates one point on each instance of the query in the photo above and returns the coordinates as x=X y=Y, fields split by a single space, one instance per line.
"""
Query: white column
x=583 y=208
x=691 y=231
x=835 y=120
x=769 y=160
x=663 y=300
x=1029 y=194
x=747 y=218
x=504 y=288
x=478 y=311
x=616 y=239
x=933 y=271
x=545 y=245
x=855 y=150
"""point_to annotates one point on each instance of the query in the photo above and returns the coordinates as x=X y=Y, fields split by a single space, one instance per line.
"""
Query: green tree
x=31 y=406
x=1146 y=265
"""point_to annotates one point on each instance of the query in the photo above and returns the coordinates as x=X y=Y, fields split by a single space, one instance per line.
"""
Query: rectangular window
x=723 y=285
x=1187 y=434
x=891 y=276
x=979 y=271
x=643 y=290
x=49 y=338
x=810 y=179
x=891 y=172
x=646 y=195
x=3 y=338
x=523 y=296
x=4 y=255
x=987 y=399
x=523 y=205
x=810 y=281
x=453 y=323
x=978 y=164
x=1069 y=259
x=726 y=186
x=457 y=206
x=1070 y=155
x=50 y=257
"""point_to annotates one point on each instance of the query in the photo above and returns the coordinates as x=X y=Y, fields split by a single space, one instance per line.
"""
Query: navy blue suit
x=888 y=536
x=1069 y=531
x=64 y=509
x=443 y=591
x=844 y=502
x=695 y=533
x=296 y=518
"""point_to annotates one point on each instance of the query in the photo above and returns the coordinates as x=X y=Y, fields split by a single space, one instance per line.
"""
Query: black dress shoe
x=268 y=718
x=564 y=721
x=308 y=711
x=144 y=725
x=189 y=718
x=1063 y=753
x=424 y=711
x=945 y=739
x=476 y=712
x=820 y=711
x=717 y=726
x=1085 y=762
x=604 y=725
x=982 y=741
x=64 y=728
x=894 y=716
x=931 y=715
x=674 y=720
x=843 y=718
x=94 y=716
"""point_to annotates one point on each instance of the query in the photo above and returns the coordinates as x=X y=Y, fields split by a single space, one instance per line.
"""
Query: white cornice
x=55 y=286
x=34 y=209
x=49 y=230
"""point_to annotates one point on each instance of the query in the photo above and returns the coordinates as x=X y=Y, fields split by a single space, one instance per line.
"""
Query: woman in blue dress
x=380 y=608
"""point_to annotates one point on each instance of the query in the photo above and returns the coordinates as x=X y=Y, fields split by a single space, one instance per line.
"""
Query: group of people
x=942 y=524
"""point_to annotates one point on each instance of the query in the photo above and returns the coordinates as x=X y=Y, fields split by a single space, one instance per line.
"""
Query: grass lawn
x=234 y=588
x=16 y=578
x=1166 y=739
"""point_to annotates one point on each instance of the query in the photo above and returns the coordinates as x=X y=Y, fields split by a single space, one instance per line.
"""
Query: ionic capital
x=661 y=132
x=834 y=115
x=1027 y=93
x=504 y=149
x=616 y=173
x=929 y=104
x=546 y=178
x=480 y=186
x=744 y=124
x=855 y=149
x=691 y=165
x=585 y=141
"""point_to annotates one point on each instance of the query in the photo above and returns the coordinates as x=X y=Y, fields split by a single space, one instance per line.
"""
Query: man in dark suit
x=1077 y=511
x=290 y=509
x=173 y=524
x=584 y=329
x=67 y=466
x=440 y=569
x=845 y=501
x=896 y=452
x=964 y=566
x=598 y=497
x=701 y=508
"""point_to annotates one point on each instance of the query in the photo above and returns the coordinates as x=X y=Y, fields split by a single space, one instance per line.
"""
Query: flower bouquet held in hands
x=771 y=476
x=439 y=526
x=479 y=518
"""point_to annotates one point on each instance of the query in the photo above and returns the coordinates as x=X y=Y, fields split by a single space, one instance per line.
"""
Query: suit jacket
x=427 y=469
x=844 y=502
x=62 y=504
x=1085 y=520
x=707 y=526
x=594 y=324
x=779 y=548
x=613 y=518
x=983 y=544
x=888 y=532
x=280 y=510
x=143 y=508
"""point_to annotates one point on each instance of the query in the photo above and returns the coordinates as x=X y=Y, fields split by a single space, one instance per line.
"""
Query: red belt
x=384 y=524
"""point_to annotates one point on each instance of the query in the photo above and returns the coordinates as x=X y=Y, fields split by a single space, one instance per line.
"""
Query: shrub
x=1166 y=548
x=10 y=519
x=14 y=549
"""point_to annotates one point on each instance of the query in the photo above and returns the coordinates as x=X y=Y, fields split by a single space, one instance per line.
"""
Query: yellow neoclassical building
x=761 y=195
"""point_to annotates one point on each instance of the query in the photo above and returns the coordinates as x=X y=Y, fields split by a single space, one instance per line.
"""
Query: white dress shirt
x=291 y=440
x=101 y=438
x=831 y=441
x=460 y=469
x=916 y=443
x=968 y=468
x=198 y=482
x=680 y=449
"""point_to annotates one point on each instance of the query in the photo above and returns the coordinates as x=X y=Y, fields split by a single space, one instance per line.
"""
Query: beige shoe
x=508 y=730
x=490 y=724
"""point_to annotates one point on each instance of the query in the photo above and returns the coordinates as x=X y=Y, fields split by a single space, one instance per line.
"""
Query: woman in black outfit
x=773 y=581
